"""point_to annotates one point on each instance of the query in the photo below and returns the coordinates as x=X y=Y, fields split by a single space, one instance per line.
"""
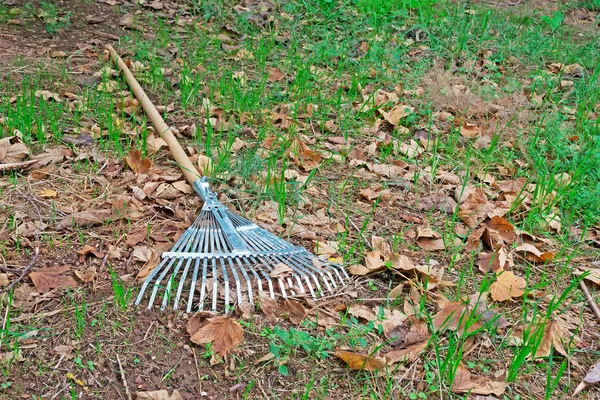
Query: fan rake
x=221 y=247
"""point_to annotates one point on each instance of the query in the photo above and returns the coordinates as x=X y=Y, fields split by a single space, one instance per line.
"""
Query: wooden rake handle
x=186 y=165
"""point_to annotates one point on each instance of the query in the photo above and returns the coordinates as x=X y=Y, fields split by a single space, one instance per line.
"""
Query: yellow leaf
x=361 y=362
x=507 y=286
x=47 y=193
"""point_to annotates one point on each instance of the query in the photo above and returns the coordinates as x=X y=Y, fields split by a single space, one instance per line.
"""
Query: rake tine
x=248 y=283
x=203 y=284
x=193 y=285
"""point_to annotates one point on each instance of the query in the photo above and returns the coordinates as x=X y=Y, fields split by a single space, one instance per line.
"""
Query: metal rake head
x=221 y=247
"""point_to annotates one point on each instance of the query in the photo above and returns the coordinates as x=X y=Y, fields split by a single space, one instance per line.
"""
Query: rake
x=222 y=250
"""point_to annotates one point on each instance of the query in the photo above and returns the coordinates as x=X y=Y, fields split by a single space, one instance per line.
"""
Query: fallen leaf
x=4 y=280
x=295 y=311
x=268 y=306
x=464 y=382
x=303 y=156
x=47 y=193
x=84 y=218
x=11 y=357
x=360 y=362
x=224 y=333
x=48 y=278
x=397 y=113
x=87 y=275
x=456 y=316
x=87 y=250
x=275 y=74
x=281 y=270
x=64 y=351
x=327 y=249
x=133 y=239
x=553 y=333
x=507 y=286
x=47 y=95
x=494 y=262
x=159 y=395
x=592 y=274
x=154 y=144
x=470 y=131
x=591 y=378
x=533 y=254
x=137 y=163
x=205 y=165
x=409 y=340
x=11 y=153
x=362 y=311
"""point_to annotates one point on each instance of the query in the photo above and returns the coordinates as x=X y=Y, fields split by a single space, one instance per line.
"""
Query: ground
x=446 y=154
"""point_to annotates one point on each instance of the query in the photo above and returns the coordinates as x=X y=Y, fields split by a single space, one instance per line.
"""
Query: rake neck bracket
x=219 y=211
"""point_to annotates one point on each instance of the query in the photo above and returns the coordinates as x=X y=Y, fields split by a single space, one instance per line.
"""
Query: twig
x=25 y=271
x=589 y=299
x=197 y=370
x=127 y=392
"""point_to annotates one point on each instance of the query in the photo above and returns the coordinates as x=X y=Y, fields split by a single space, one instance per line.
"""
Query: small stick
x=27 y=268
x=589 y=299
x=127 y=392
x=197 y=369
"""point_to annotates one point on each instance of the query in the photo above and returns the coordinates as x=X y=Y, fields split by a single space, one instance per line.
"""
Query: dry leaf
x=154 y=144
x=133 y=239
x=327 y=249
x=494 y=262
x=295 y=311
x=137 y=163
x=397 y=113
x=281 y=270
x=470 y=131
x=204 y=165
x=48 y=278
x=554 y=333
x=303 y=156
x=47 y=193
x=275 y=74
x=225 y=333
x=159 y=395
x=464 y=382
x=11 y=153
x=87 y=275
x=533 y=254
x=87 y=250
x=4 y=280
x=268 y=306
x=591 y=378
x=593 y=274
x=360 y=362
x=362 y=311
x=409 y=340
x=507 y=286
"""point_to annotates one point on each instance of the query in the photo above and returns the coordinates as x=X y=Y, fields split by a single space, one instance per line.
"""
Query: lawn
x=446 y=155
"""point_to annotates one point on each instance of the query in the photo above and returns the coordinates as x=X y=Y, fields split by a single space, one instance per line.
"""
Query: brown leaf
x=593 y=274
x=360 y=362
x=159 y=395
x=507 y=286
x=431 y=244
x=362 y=311
x=87 y=275
x=494 y=262
x=133 y=239
x=48 y=278
x=84 y=218
x=470 y=131
x=154 y=144
x=511 y=186
x=87 y=250
x=327 y=249
x=4 y=280
x=225 y=333
x=532 y=253
x=464 y=382
x=275 y=74
x=268 y=306
x=12 y=152
x=137 y=163
x=281 y=270
x=303 y=156
x=554 y=333
x=409 y=340
x=295 y=311
x=397 y=113
x=504 y=229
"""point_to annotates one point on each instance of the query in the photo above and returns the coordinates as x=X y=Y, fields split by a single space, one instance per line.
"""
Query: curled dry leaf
x=553 y=333
x=47 y=193
x=224 y=333
x=11 y=153
x=409 y=340
x=303 y=156
x=268 y=306
x=470 y=131
x=507 y=286
x=48 y=278
x=494 y=262
x=362 y=311
x=4 y=280
x=89 y=250
x=591 y=274
x=360 y=362
x=327 y=249
x=154 y=144
x=397 y=113
x=137 y=162
x=465 y=382
x=533 y=254
x=86 y=275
